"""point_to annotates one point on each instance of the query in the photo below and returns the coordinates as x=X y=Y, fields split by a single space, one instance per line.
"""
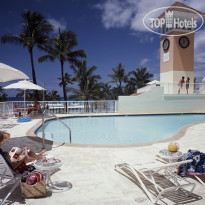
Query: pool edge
x=180 y=133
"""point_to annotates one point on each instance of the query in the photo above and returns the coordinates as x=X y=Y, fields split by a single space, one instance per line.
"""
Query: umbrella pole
x=24 y=98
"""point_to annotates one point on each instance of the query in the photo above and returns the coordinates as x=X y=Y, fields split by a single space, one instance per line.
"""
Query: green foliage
x=3 y=95
x=29 y=95
x=52 y=96
x=67 y=78
x=119 y=77
x=61 y=47
x=49 y=96
x=140 y=77
x=34 y=32
x=88 y=83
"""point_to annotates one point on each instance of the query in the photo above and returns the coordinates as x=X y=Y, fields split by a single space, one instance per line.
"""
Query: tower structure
x=177 y=45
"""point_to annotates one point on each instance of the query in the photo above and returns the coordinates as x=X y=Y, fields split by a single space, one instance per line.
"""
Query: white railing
x=173 y=88
x=193 y=88
x=69 y=107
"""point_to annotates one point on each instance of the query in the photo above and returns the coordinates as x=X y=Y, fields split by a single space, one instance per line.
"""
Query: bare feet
x=42 y=152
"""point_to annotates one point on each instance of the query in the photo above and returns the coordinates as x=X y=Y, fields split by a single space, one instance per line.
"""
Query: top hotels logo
x=172 y=19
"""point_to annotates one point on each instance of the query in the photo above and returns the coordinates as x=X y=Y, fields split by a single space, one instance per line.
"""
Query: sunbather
x=34 y=108
x=27 y=155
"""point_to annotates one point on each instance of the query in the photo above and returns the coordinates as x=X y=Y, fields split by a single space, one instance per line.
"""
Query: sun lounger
x=7 y=176
x=160 y=176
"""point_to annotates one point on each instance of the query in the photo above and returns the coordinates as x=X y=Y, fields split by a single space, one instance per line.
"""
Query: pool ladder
x=43 y=125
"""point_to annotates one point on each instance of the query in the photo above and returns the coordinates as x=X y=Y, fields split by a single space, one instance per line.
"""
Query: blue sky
x=110 y=31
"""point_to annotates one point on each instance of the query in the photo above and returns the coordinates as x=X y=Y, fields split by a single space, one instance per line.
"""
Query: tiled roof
x=184 y=8
x=135 y=94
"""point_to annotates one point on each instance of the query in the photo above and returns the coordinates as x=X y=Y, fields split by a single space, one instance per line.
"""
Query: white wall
x=154 y=101
x=171 y=80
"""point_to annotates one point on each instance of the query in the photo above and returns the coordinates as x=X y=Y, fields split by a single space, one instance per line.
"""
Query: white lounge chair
x=161 y=176
x=7 y=176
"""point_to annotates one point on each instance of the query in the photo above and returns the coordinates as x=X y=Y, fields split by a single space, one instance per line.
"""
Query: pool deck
x=91 y=172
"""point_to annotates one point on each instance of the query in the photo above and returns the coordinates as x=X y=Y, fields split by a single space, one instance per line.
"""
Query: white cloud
x=57 y=24
x=199 y=51
x=144 y=61
x=199 y=46
x=130 y=13
x=116 y=14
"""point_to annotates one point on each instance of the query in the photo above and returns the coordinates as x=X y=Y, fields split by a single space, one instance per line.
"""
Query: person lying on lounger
x=19 y=160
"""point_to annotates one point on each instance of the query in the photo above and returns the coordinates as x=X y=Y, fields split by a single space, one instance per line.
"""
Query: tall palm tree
x=88 y=83
x=61 y=48
x=119 y=77
x=34 y=32
x=141 y=77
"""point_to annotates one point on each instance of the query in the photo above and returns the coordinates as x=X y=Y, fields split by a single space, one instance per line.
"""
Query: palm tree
x=89 y=86
x=119 y=77
x=129 y=87
x=3 y=95
x=29 y=95
x=67 y=79
x=108 y=93
x=34 y=32
x=61 y=48
x=53 y=95
x=141 y=77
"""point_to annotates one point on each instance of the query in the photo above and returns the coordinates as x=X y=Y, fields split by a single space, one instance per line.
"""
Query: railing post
x=43 y=126
x=43 y=129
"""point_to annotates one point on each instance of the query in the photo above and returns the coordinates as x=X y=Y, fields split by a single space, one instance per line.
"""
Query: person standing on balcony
x=187 y=84
x=180 y=84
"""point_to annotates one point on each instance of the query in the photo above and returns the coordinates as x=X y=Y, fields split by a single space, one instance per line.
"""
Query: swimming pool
x=111 y=130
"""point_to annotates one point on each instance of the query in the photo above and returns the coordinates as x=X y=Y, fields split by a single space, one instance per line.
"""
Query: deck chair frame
x=7 y=176
x=148 y=170
x=196 y=175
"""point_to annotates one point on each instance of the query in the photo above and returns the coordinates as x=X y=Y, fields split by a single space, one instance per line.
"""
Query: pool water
x=117 y=129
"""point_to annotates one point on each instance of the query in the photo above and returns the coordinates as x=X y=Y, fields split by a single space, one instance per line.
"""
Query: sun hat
x=4 y=136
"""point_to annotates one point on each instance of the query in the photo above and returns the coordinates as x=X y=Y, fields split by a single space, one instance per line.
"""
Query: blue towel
x=197 y=165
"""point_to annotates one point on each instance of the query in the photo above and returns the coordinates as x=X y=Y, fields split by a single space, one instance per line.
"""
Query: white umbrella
x=24 y=85
x=7 y=73
x=153 y=82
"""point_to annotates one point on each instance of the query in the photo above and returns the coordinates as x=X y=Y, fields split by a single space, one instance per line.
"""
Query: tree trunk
x=120 y=88
x=36 y=96
x=64 y=85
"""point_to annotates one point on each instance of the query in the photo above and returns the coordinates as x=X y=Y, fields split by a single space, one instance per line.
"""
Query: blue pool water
x=118 y=129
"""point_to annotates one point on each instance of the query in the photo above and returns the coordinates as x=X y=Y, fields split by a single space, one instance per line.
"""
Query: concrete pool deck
x=91 y=172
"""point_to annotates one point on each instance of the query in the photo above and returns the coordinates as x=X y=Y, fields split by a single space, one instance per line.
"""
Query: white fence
x=174 y=88
x=191 y=88
x=69 y=107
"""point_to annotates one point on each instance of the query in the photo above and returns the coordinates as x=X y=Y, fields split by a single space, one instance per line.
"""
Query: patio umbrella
x=7 y=73
x=24 y=85
x=153 y=82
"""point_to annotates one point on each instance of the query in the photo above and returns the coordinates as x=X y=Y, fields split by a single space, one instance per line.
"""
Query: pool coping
x=180 y=133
